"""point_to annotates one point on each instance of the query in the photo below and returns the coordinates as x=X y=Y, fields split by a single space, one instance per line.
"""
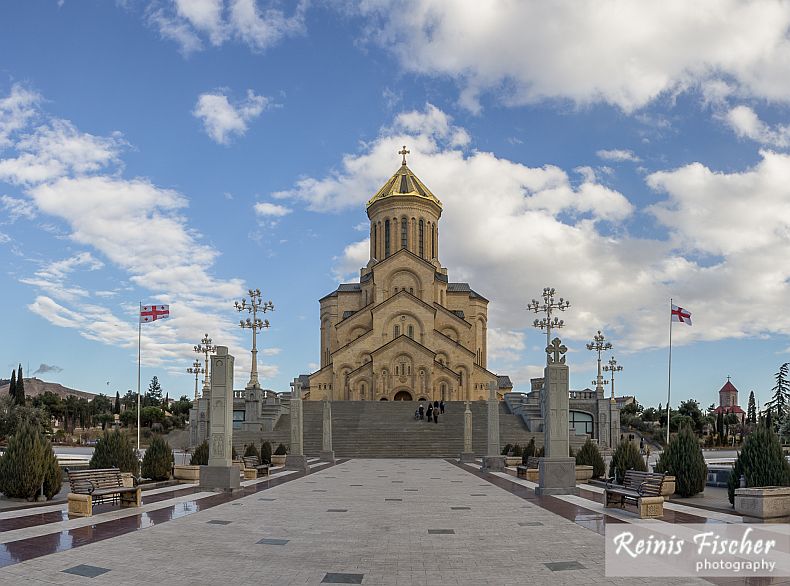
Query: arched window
x=433 y=240
x=386 y=238
x=422 y=238
x=396 y=332
x=375 y=241
x=397 y=371
x=404 y=232
x=411 y=331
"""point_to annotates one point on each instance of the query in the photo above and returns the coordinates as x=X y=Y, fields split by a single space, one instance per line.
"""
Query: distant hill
x=35 y=386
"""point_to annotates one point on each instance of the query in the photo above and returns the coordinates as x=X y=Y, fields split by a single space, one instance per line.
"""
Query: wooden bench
x=530 y=471
x=254 y=463
x=89 y=487
x=642 y=489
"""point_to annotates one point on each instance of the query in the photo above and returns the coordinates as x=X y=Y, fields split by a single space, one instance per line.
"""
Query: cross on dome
x=404 y=152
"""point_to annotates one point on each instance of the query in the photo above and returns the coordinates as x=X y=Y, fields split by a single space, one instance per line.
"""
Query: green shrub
x=158 y=460
x=683 y=459
x=200 y=455
x=266 y=453
x=530 y=449
x=626 y=457
x=541 y=453
x=23 y=464
x=589 y=455
x=518 y=451
x=507 y=449
x=53 y=475
x=113 y=450
x=281 y=450
x=760 y=461
x=251 y=450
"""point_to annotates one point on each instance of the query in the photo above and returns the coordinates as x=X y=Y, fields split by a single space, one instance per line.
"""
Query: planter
x=533 y=474
x=583 y=473
x=512 y=460
x=764 y=502
x=186 y=472
x=668 y=487
x=127 y=479
x=278 y=460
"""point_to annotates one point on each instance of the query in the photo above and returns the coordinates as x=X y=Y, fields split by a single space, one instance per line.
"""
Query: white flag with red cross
x=149 y=313
x=681 y=315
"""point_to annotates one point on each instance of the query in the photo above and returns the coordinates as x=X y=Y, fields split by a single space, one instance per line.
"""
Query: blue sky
x=180 y=152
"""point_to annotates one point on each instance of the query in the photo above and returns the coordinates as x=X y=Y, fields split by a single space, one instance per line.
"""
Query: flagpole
x=139 y=334
x=669 y=378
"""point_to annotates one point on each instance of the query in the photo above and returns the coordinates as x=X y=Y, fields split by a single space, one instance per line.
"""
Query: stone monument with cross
x=327 y=453
x=296 y=460
x=557 y=470
x=493 y=460
x=220 y=474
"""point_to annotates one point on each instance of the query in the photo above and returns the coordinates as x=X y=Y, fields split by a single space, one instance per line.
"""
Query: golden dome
x=404 y=183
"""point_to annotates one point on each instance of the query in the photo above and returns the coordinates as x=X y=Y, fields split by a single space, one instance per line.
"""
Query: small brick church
x=728 y=401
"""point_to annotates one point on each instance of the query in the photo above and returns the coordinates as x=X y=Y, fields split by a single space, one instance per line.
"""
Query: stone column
x=614 y=423
x=327 y=453
x=467 y=455
x=493 y=460
x=296 y=460
x=557 y=471
x=220 y=474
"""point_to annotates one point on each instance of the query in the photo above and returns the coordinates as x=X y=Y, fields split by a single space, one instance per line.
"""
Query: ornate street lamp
x=206 y=349
x=599 y=344
x=611 y=368
x=548 y=306
x=197 y=370
x=254 y=306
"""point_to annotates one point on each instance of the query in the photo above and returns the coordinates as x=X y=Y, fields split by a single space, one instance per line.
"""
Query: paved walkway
x=361 y=521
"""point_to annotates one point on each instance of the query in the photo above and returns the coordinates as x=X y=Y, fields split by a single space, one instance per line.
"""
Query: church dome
x=404 y=183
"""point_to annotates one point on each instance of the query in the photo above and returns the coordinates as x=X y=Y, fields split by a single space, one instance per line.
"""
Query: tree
x=117 y=409
x=720 y=427
x=781 y=392
x=590 y=456
x=53 y=475
x=158 y=460
x=113 y=450
x=19 y=392
x=760 y=462
x=626 y=457
x=200 y=455
x=101 y=404
x=129 y=417
x=690 y=408
x=153 y=396
x=683 y=459
x=23 y=464
x=751 y=410
x=151 y=415
x=650 y=414
x=12 y=386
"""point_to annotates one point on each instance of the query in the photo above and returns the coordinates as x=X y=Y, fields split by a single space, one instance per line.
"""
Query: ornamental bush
x=506 y=449
x=626 y=457
x=589 y=455
x=266 y=453
x=22 y=466
x=158 y=460
x=200 y=455
x=760 y=461
x=53 y=475
x=530 y=449
x=517 y=451
x=113 y=450
x=251 y=450
x=281 y=450
x=683 y=459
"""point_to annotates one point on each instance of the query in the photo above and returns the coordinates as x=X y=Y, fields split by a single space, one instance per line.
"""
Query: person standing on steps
x=430 y=412
x=436 y=415
x=441 y=406
x=421 y=409
x=436 y=406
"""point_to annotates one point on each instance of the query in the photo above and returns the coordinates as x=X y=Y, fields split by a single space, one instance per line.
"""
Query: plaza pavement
x=360 y=521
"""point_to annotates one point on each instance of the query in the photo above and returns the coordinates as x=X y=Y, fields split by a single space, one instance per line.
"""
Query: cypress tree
x=22 y=467
x=761 y=462
x=113 y=450
x=626 y=457
x=720 y=427
x=12 y=386
x=589 y=456
x=751 y=410
x=117 y=409
x=158 y=460
x=683 y=459
x=19 y=394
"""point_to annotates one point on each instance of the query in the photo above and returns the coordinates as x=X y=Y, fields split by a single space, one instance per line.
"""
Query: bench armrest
x=610 y=481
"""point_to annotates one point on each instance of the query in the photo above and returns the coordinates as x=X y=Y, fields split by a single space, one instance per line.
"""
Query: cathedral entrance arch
x=402 y=396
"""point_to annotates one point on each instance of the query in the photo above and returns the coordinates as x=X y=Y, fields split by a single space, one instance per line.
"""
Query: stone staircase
x=378 y=429
x=526 y=406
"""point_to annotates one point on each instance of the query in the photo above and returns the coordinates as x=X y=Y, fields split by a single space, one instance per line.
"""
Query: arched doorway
x=383 y=399
x=402 y=396
x=423 y=399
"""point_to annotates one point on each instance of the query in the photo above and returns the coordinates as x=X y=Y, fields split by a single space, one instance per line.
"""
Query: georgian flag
x=681 y=315
x=149 y=313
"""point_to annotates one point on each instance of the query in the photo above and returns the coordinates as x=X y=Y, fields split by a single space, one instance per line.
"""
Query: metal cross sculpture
x=206 y=349
x=548 y=307
x=404 y=152
x=599 y=344
x=612 y=368
x=555 y=352
x=254 y=306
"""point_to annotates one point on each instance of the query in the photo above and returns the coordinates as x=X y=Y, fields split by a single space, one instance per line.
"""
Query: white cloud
x=186 y=22
x=17 y=208
x=52 y=277
x=618 y=155
x=221 y=119
x=16 y=111
x=4 y=238
x=746 y=124
x=620 y=52
x=509 y=230
x=264 y=208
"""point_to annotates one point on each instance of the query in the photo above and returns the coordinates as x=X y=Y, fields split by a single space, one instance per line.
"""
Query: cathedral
x=404 y=331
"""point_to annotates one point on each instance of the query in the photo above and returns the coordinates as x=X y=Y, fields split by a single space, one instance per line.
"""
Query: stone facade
x=404 y=332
